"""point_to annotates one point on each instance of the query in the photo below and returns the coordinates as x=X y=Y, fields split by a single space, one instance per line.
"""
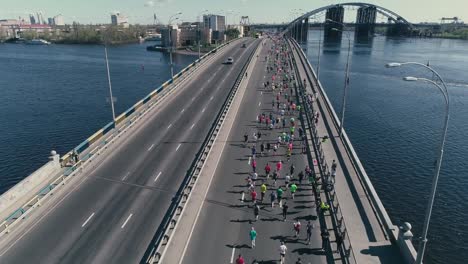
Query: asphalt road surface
x=222 y=229
x=112 y=215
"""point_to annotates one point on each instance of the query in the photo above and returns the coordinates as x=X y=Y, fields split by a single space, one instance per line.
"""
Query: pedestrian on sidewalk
x=256 y=211
x=253 y=237
x=285 y=211
x=325 y=239
x=333 y=166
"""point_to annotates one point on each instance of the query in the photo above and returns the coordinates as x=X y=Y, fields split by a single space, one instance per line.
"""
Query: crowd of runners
x=274 y=178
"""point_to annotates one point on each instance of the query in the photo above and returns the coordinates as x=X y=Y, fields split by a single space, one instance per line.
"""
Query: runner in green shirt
x=293 y=189
x=253 y=236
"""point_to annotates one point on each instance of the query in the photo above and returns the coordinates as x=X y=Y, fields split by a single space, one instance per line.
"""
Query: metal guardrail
x=338 y=219
x=152 y=253
x=36 y=200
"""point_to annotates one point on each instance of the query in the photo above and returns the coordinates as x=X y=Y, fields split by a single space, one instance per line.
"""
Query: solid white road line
x=192 y=126
x=259 y=103
x=125 y=177
x=203 y=111
x=178 y=147
x=87 y=220
x=232 y=255
x=128 y=218
x=157 y=177
x=193 y=99
x=211 y=98
x=249 y=160
x=150 y=148
x=242 y=198
x=261 y=92
x=183 y=110
x=169 y=126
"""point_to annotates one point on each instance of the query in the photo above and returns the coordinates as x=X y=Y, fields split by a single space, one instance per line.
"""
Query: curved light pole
x=171 y=19
x=435 y=179
x=346 y=85
x=199 y=32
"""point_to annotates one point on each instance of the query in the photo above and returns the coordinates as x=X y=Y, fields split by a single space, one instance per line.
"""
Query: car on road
x=229 y=60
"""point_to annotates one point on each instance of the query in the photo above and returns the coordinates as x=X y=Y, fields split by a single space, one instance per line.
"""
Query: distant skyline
x=268 y=11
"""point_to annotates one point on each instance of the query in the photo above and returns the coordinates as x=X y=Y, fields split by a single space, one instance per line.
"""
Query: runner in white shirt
x=282 y=250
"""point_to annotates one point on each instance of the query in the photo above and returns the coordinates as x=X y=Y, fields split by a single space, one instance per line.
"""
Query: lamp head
x=392 y=65
x=410 y=79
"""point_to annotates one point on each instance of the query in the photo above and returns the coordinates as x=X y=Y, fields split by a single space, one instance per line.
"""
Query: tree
x=232 y=33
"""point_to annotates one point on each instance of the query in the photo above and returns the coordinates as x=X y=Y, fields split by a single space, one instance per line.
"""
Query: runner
x=267 y=170
x=282 y=250
x=310 y=226
x=253 y=237
x=240 y=260
x=263 y=189
x=256 y=211
x=279 y=195
x=297 y=227
x=287 y=179
x=285 y=211
x=293 y=189
x=253 y=194
x=272 y=198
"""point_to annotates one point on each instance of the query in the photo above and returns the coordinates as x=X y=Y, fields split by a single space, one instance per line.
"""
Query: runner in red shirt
x=240 y=260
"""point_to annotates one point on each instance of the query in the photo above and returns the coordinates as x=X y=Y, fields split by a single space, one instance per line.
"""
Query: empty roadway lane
x=111 y=215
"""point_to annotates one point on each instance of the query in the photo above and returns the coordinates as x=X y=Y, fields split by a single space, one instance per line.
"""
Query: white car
x=229 y=60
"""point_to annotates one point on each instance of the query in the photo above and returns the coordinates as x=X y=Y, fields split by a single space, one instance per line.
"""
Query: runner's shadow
x=241 y=221
x=302 y=207
x=234 y=192
x=238 y=246
x=308 y=217
x=308 y=251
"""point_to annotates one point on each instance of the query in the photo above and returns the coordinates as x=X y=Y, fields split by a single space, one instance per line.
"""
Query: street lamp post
x=171 y=19
x=110 y=84
x=199 y=33
x=346 y=84
x=435 y=179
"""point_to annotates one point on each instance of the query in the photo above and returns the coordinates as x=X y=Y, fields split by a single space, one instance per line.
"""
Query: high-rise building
x=32 y=19
x=40 y=18
x=214 y=22
x=59 y=21
x=119 y=19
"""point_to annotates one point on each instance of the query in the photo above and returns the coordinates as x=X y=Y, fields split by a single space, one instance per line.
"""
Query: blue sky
x=141 y=11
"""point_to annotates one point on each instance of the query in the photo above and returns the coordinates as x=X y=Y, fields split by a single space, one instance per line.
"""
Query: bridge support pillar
x=336 y=14
x=365 y=21
x=398 y=29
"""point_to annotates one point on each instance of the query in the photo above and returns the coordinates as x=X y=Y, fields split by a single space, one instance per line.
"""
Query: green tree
x=232 y=33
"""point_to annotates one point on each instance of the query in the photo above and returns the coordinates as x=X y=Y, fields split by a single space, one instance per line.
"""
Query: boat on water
x=156 y=48
x=37 y=42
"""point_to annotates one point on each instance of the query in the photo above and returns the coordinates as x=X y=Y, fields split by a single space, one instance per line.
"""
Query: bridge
x=165 y=182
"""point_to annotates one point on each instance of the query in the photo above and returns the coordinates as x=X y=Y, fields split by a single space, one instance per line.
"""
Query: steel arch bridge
x=391 y=16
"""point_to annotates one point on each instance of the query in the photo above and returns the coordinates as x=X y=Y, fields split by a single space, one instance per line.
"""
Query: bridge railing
x=338 y=221
x=73 y=163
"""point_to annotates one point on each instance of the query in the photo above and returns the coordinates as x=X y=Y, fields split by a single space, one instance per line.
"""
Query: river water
x=54 y=97
x=396 y=126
